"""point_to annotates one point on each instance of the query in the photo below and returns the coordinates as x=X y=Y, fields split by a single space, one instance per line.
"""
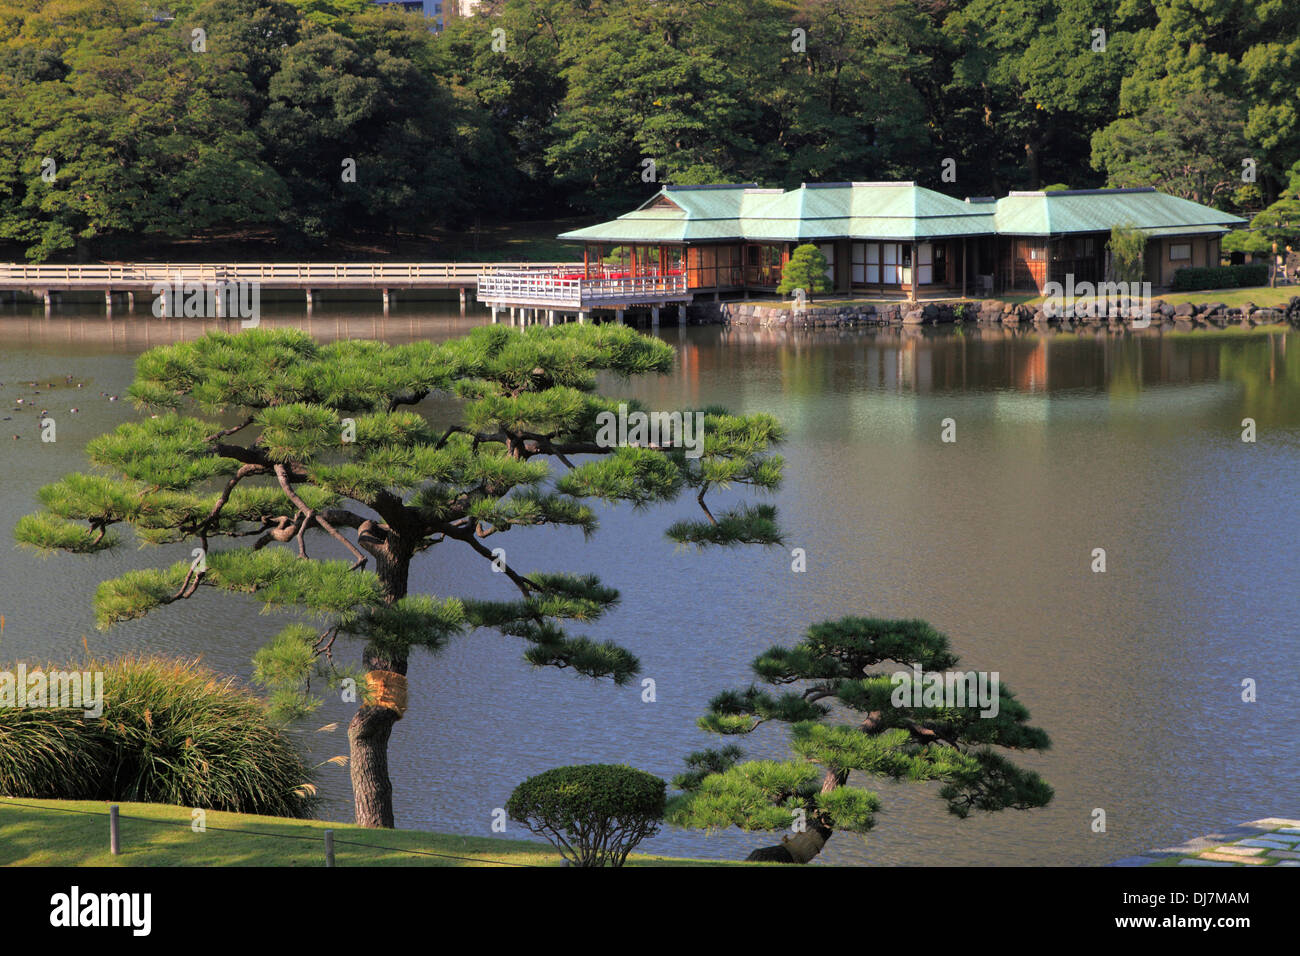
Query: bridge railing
x=304 y=273
x=559 y=286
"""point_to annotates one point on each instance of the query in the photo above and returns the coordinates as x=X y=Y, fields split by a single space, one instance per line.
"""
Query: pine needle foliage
x=310 y=475
x=845 y=717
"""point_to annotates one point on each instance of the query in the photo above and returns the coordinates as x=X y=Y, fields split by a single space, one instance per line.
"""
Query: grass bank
x=75 y=833
x=1262 y=296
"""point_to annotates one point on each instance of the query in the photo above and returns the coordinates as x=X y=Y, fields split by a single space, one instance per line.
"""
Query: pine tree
x=322 y=445
x=892 y=733
x=805 y=270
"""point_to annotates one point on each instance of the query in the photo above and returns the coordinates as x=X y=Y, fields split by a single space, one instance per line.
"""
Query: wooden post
x=911 y=274
x=309 y=301
x=386 y=300
x=681 y=315
x=618 y=314
x=49 y=302
x=963 y=267
x=329 y=847
x=654 y=316
x=108 y=304
x=582 y=318
x=462 y=300
x=130 y=302
x=494 y=314
x=114 y=832
x=550 y=316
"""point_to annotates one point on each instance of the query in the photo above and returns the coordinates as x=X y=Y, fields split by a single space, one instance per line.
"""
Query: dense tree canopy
x=538 y=108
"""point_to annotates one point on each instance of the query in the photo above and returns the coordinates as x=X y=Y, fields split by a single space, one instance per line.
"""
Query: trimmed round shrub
x=171 y=732
x=594 y=814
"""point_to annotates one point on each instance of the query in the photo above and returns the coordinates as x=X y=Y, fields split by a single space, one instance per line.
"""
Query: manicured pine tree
x=805 y=270
x=322 y=445
x=830 y=671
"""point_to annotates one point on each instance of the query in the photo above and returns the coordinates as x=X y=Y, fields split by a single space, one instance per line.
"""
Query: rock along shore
x=1164 y=317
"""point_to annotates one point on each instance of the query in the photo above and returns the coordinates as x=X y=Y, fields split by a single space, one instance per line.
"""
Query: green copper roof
x=892 y=211
x=813 y=211
x=867 y=211
x=1097 y=210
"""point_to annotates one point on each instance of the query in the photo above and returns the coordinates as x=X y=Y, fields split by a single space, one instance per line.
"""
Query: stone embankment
x=1182 y=317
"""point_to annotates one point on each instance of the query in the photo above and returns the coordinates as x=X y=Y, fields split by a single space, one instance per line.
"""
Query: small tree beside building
x=1128 y=246
x=806 y=270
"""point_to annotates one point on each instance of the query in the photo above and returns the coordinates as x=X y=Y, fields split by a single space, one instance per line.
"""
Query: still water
x=1064 y=444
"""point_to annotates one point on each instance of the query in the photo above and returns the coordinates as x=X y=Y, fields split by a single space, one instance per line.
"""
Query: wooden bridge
x=130 y=278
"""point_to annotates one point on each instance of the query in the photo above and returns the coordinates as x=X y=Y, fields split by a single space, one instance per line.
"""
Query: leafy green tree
x=1244 y=50
x=1028 y=86
x=890 y=732
x=360 y=133
x=248 y=38
x=1128 y=249
x=853 y=100
x=328 y=444
x=1192 y=148
x=594 y=814
x=805 y=269
x=122 y=130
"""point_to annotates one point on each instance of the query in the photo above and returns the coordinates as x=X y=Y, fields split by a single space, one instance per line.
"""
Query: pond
x=1064 y=444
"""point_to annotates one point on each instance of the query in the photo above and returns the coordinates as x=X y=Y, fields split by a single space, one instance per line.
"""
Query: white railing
x=297 y=273
x=547 y=287
x=556 y=286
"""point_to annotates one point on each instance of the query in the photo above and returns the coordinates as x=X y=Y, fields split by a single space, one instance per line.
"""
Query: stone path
x=1270 y=842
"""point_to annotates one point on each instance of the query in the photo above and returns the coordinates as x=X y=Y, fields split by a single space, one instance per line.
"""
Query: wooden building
x=725 y=239
x=878 y=238
x=1045 y=236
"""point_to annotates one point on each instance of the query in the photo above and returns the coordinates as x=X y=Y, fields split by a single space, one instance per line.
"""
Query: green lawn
x=160 y=835
x=1262 y=296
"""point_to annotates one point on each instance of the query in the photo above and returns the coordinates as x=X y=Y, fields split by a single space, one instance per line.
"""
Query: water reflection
x=1065 y=443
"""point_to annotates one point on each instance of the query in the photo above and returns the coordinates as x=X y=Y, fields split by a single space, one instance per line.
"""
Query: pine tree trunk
x=372 y=789
x=794 y=847
x=801 y=847
x=372 y=725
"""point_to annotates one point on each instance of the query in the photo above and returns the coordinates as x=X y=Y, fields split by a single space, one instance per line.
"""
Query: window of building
x=1180 y=251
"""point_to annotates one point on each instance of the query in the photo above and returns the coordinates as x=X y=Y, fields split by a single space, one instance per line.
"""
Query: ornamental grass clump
x=171 y=732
